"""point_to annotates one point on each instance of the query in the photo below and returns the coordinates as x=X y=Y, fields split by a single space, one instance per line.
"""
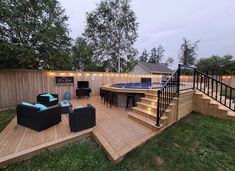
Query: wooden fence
x=24 y=85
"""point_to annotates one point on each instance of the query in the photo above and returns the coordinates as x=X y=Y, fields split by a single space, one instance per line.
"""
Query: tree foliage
x=217 y=65
x=111 y=31
x=169 y=61
x=33 y=34
x=153 y=56
x=144 y=56
x=82 y=56
x=188 y=52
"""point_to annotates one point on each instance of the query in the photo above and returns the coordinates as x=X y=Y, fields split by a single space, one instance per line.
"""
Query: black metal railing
x=215 y=89
x=208 y=85
x=166 y=94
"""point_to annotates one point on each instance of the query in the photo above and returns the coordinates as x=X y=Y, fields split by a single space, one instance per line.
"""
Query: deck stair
x=212 y=107
x=145 y=112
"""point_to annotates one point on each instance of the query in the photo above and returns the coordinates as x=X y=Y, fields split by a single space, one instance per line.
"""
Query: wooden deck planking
x=117 y=134
x=114 y=130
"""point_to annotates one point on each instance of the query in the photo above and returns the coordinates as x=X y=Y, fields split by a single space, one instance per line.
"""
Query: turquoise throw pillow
x=48 y=95
x=78 y=107
x=40 y=106
x=53 y=99
x=27 y=104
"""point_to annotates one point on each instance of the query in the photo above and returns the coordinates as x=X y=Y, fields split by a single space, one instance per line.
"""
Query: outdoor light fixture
x=51 y=73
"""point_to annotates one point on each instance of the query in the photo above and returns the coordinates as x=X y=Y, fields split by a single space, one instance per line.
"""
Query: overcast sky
x=166 y=22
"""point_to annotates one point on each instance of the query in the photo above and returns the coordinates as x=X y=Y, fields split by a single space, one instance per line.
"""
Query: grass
x=5 y=117
x=197 y=142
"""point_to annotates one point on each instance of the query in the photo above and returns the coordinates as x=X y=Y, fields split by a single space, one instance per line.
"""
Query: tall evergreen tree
x=160 y=53
x=153 y=56
x=34 y=34
x=111 y=31
x=188 y=52
x=144 y=56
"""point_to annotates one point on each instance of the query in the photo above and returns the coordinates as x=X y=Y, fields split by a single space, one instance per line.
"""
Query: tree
x=217 y=65
x=82 y=56
x=169 y=61
x=153 y=56
x=188 y=52
x=160 y=53
x=144 y=56
x=34 y=34
x=111 y=31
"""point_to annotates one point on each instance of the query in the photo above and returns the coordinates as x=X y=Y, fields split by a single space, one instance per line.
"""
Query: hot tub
x=138 y=85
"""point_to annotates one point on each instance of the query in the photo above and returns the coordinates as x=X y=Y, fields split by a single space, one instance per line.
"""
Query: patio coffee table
x=65 y=107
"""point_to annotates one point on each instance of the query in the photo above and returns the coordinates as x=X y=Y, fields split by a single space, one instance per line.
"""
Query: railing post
x=194 y=77
x=158 y=109
x=178 y=81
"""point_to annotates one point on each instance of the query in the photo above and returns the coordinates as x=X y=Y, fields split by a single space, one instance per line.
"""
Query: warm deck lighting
x=100 y=74
x=79 y=74
x=71 y=74
x=62 y=74
x=87 y=74
x=51 y=73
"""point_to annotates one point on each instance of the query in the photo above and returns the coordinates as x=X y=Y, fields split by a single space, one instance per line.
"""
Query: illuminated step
x=145 y=121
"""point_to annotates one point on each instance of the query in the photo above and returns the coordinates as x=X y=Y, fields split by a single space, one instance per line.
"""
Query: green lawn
x=197 y=142
x=5 y=117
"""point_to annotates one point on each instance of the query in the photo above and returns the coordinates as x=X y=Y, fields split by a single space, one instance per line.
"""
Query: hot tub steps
x=149 y=101
x=145 y=121
x=148 y=114
x=151 y=96
x=146 y=106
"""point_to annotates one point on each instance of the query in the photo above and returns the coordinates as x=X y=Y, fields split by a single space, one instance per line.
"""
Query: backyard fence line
x=17 y=85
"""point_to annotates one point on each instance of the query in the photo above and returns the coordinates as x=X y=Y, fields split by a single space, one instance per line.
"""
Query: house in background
x=150 y=68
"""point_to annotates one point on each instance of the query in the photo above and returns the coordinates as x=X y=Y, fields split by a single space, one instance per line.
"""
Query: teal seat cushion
x=48 y=95
x=53 y=99
x=27 y=104
x=78 y=107
x=64 y=104
x=40 y=106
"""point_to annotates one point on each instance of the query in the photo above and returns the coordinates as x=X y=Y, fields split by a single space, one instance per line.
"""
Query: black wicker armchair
x=82 y=118
x=37 y=120
x=45 y=100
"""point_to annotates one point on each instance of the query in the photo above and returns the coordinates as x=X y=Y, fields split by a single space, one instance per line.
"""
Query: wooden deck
x=117 y=134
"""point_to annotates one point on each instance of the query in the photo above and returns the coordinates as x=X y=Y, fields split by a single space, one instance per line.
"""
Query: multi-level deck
x=118 y=130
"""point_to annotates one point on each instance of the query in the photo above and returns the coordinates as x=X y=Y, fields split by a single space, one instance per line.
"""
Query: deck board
x=117 y=134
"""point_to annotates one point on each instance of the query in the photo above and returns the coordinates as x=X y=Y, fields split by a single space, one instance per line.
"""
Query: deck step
x=146 y=106
x=146 y=113
x=148 y=100
x=231 y=115
x=150 y=95
x=144 y=121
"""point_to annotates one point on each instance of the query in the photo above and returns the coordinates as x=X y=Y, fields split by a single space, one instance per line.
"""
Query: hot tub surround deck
x=121 y=93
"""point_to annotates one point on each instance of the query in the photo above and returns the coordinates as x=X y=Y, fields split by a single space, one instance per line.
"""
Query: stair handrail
x=218 y=89
x=165 y=98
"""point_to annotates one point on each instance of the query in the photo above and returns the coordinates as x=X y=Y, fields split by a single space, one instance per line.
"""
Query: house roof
x=155 y=68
